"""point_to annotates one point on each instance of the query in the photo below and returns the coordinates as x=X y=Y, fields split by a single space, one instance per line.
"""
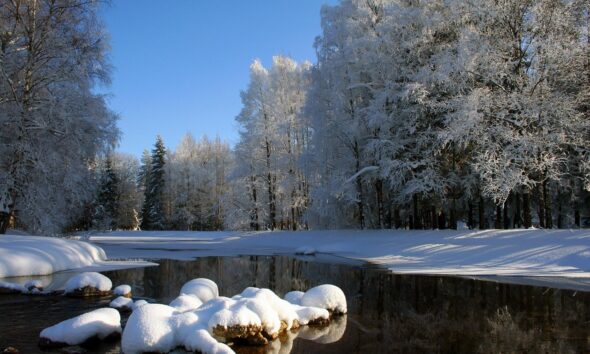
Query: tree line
x=420 y=115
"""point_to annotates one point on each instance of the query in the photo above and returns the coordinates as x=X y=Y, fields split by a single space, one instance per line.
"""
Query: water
x=388 y=313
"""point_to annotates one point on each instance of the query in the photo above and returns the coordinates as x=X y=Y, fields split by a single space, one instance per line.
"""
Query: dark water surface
x=388 y=313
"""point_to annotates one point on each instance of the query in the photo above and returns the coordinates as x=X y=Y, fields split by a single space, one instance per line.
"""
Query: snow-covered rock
x=122 y=303
x=185 y=303
x=103 y=324
x=30 y=255
x=311 y=315
x=34 y=286
x=11 y=288
x=202 y=288
x=149 y=329
x=122 y=290
x=294 y=297
x=327 y=296
x=88 y=284
x=139 y=303
x=305 y=250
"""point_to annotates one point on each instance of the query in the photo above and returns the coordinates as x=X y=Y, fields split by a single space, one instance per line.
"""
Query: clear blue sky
x=180 y=64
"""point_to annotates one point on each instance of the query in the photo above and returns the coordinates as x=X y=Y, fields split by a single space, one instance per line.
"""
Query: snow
x=326 y=296
x=122 y=290
x=202 y=288
x=519 y=252
x=22 y=255
x=305 y=250
x=139 y=303
x=149 y=329
x=294 y=297
x=101 y=323
x=161 y=328
x=237 y=316
x=29 y=255
x=13 y=286
x=185 y=303
x=122 y=302
x=91 y=279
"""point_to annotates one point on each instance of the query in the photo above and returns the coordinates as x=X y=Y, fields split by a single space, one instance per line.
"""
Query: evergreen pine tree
x=152 y=211
x=107 y=200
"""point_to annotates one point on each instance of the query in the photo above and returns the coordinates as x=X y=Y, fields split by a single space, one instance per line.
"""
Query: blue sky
x=179 y=65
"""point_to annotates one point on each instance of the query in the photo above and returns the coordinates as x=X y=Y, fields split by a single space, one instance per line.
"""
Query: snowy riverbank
x=546 y=253
x=33 y=256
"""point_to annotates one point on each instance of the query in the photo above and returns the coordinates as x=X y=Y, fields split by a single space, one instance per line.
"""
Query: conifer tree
x=153 y=211
x=105 y=214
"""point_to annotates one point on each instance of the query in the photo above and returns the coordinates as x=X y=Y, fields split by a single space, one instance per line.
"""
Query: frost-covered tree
x=271 y=190
x=52 y=53
x=152 y=213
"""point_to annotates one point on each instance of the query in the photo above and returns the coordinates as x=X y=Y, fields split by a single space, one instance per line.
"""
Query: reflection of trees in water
x=395 y=313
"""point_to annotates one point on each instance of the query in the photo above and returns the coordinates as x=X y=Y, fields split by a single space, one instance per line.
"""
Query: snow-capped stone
x=122 y=303
x=185 y=303
x=305 y=250
x=312 y=315
x=139 y=303
x=122 y=290
x=102 y=323
x=88 y=284
x=34 y=286
x=294 y=297
x=327 y=296
x=204 y=289
x=148 y=329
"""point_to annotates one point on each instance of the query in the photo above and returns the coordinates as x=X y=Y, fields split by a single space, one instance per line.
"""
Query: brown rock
x=89 y=291
x=9 y=350
x=249 y=335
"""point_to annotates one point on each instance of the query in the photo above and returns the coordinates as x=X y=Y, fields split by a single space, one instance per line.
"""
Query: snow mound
x=326 y=296
x=99 y=323
x=185 y=303
x=30 y=255
x=256 y=316
x=88 y=279
x=148 y=329
x=202 y=288
x=305 y=250
x=294 y=297
x=7 y=287
x=139 y=303
x=122 y=290
x=122 y=303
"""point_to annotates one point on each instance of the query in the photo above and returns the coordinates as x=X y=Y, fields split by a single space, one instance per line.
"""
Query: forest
x=438 y=114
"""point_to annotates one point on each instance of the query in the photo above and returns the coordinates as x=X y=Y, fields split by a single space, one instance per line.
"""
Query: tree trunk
x=541 y=207
x=517 y=214
x=453 y=216
x=4 y=221
x=548 y=205
x=380 y=211
x=416 y=217
x=396 y=218
x=505 y=216
x=470 y=219
x=482 y=223
x=498 y=222
x=526 y=211
x=577 y=218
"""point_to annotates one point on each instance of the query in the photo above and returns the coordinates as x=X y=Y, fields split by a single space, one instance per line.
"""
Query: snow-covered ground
x=22 y=255
x=538 y=253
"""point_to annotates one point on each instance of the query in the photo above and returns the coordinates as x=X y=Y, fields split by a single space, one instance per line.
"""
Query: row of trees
x=421 y=114
x=180 y=190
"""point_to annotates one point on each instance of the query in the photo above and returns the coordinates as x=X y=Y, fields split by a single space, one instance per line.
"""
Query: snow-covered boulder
x=11 y=288
x=34 y=286
x=327 y=296
x=122 y=290
x=305 y=250
x=203 y=288
x=149 y=329
x=139 y=303
x=312 y=316
x=88 y=284
x=185 y=303
x=101 y=324
x=294 y=297
x=237 y=324
x=122 y=303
